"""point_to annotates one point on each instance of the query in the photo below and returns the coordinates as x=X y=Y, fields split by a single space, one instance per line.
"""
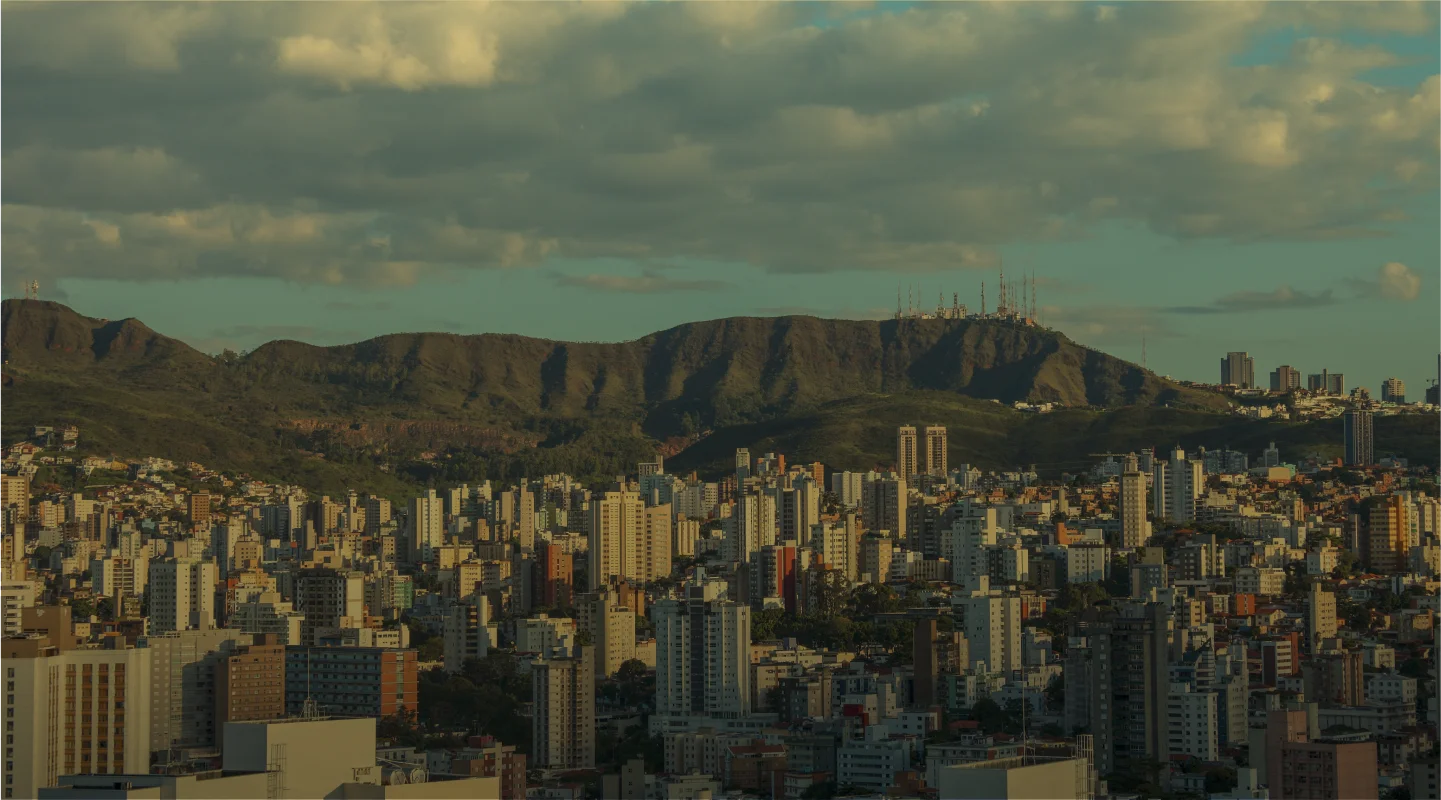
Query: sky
x=1205 y=177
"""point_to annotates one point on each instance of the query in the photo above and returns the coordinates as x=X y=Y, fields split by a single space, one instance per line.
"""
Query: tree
x=81 y=609
x=764 y=623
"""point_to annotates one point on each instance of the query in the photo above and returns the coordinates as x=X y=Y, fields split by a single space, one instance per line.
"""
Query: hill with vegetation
x=423 y=407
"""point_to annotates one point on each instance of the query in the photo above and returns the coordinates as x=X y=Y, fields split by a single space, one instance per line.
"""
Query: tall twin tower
x=908 y=455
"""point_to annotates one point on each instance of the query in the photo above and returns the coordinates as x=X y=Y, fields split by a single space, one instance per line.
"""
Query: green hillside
x=430 y=407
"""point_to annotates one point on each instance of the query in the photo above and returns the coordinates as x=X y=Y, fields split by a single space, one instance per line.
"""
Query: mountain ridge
x=428 y=407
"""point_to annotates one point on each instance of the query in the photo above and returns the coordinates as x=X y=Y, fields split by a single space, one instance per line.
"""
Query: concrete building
x=907 y=455
x=1320 y=617
x=182 y=594
x=543 y=633
x=610 y=624
x=1359 y=438
x=328 y=598
x=350 y=681
x=628 y=541
x=1135 y=528
x=1193 y=726
x=1175 y=486
x=1238 y=369
x=563 y=722
x=1299 y=767
x=992 y=626
x=702 y=654
x=883 y=504
x=467 y=631
x=1117 y=683
x=183 y=687
x=1018 y=778
x=250 y=684
x=937 y=451
x=71 y=710
x=427 y=527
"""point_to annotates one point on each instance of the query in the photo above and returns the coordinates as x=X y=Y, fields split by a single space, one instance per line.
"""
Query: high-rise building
x=70 y=711
x=877 y=551
x=1175 y=487
x=351 y=681
x=1271 y=457
x=1135 y=528
x=1356 y=428
x=427 y=527
x=799 y=509
x=563 y=718
x=182 y=594
x=839 y=545
x=199 y=508
x=525 y=518
x=936 y=451
x=992 y=624
x=468 y=631
x=1285 y=379
x=1387 y=528
x=926 y=663
x=702 y=653
x=1393 y=390
x=250 y=684
x=610 y=624
x=15 y=494
x=1320 y=617
x=554 y=576
x=743 y=466
x=328 y=598
x=907 y=461
x=753 y=525
x=1238 y=369
x=377 y=514
x=628 y=541
x=1117 y=683
x=847 y=488
x=1326 y=382
x=883 y=504
x=1296 y=766
x=182 y=685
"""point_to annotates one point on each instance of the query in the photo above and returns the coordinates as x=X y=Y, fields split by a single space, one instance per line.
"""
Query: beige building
x=907 y=460
x=876 y=554
x=563 y=722
x=628 y=541
x=1018 y=778
x=1320 y=617
x=936 y=451
x=293 y=758
x=70 y=710
x=610 y=626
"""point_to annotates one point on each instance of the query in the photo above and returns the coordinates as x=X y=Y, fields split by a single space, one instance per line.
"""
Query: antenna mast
x=32 y=290
x=983 y=298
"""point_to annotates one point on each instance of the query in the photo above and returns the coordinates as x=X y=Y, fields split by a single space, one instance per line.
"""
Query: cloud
x=648 y=282
x=1393 y=281
x=1107 y=324
x=379 y=305
x=383 y=144
x=1281 y=298
x=1398 y=282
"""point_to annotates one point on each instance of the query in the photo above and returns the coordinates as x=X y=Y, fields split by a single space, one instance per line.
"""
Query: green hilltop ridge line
x=502 y=405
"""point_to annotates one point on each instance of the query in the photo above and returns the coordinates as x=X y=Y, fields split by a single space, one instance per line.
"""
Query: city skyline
x=638 y=155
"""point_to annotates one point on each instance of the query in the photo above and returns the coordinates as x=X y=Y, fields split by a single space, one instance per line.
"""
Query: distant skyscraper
x=1238 y=369
x=1271 y=457
x=702 y=654
x=1285 y=378
x=1393 y=390
x=563 y=722
x=1176 y=485
x=1358 y=435
x=936 y=451
x=618 y=545
x=427 y=526
x=1326 y=382
x=182 y=595
x=1135 y=529
x=907 y=462
x=743 y=465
